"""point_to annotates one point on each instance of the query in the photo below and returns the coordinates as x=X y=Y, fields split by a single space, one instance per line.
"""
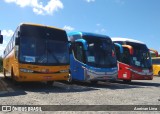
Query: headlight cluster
x=26 y=70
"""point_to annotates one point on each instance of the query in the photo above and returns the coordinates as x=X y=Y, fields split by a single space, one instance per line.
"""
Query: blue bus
x=92 y=57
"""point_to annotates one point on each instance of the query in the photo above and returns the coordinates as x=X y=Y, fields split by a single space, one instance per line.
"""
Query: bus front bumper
x=142 y=77
x=24 y=77
x=101 y=77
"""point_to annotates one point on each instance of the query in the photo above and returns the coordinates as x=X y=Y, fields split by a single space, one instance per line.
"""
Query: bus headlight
x=63 y=71
x=26 y=70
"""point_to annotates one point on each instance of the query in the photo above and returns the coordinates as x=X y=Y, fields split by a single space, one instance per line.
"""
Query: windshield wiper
x=53 y=55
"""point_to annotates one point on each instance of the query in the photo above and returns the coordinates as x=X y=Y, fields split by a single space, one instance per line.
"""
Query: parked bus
x=92 y=57
x=155 y=62
x=156 y=66
x=37 y=53
x=135 y=61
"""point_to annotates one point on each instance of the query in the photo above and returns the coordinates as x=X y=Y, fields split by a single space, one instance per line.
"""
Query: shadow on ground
x=63 y=87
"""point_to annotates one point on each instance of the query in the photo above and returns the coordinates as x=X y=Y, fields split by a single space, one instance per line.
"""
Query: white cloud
x=21 y=3
x=7 y=33
x=38 y=7
x=90 y=1
x=69 y=28
x=2 y=47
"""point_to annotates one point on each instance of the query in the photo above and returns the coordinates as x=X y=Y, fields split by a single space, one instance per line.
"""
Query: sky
x=135 y=19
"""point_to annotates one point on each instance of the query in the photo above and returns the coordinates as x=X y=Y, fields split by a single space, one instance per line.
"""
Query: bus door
x=124 y=64
x=77 y=60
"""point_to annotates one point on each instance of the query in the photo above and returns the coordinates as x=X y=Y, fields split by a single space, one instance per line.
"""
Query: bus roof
x=85 y=34
x=40 y=25
x=126 y=40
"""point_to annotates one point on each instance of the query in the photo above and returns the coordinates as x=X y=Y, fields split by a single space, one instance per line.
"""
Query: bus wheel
x=159 y=73
x=4 y=73
x=13 y=78
x=50 y=83
x=94 y=82
x=126 y=81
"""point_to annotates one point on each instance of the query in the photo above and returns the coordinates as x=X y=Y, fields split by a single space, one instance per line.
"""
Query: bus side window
x=153 y=61
x=78 y=52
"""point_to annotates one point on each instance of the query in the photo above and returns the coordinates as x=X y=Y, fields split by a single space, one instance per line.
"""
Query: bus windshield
x=39 y=45
x=100 y=52
x=156 y=61
x=141 y=55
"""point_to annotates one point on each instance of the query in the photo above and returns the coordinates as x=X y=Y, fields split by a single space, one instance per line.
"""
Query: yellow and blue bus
x=37 y=53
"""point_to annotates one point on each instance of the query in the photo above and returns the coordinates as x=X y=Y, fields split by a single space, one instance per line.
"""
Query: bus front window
x=28 y=50
x=142 y=59
x=101 y=53
x=34 y=50
x=57 y=52
x=156 y=61
x=141 y=55
x=44 y=46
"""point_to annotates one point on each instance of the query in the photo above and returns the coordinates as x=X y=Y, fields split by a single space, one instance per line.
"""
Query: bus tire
x=159 y=73
x=13 y=78
x=126 y=81
x=50 y=83
x=4 y=73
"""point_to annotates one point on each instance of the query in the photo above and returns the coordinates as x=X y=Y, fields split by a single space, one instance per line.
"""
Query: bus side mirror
x=70 y=48
x=17 y=41
x=1 y=39
x=18 y=33
x=153 y=52
x=131 y=50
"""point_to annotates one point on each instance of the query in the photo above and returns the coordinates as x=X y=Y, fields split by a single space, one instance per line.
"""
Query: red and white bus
x=134 y=63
